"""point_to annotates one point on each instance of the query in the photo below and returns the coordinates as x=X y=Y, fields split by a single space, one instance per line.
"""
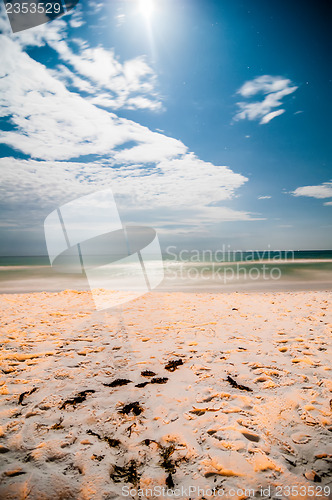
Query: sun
x=146 y=8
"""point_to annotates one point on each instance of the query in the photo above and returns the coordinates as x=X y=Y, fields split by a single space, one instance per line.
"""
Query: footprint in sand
x=251 y=436
x=301 y=438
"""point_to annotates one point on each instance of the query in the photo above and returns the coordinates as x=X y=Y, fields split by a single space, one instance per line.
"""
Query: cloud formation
x=75 y=147
x=167 y=194
x=320 y=192
x=109 y=83
x=53 y=123
x=273 y=89
x=94 y=70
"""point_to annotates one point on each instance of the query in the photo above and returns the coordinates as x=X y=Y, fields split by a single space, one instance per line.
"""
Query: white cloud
x=156 y=179
x=321 y=191
x=53 y=123
x=187 y=182
x=274 y=88
x=95 y=7
x=64 y=74
x=76 y=18
x=36 y=37
x=154 y=148
x=141 y=102
x=171 y=192
x=266 y=84
x=96 y=71
x=264 y=197
x=267 y=118
x=328 y=203
x=130 y=85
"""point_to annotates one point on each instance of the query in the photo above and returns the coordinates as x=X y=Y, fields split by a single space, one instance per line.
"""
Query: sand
x=176 y=390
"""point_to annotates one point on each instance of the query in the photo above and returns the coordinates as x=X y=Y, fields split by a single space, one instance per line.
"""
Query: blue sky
x=210 y=121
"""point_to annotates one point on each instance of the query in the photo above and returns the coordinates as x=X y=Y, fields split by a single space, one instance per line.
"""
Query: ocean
x=190 y=272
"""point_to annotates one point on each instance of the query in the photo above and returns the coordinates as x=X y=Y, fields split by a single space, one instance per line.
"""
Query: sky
x=210 y=120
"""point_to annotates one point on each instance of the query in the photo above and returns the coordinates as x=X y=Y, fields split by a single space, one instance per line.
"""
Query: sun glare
x=146 y=8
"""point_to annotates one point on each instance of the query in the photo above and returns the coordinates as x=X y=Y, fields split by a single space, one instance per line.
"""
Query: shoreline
x=248 y=287
x=215 y=277
x=283 y=287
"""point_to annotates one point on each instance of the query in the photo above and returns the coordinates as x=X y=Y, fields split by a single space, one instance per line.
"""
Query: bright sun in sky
x=146 y=8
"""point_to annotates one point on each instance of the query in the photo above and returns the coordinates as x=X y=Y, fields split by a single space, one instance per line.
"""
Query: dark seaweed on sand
x=24 y=394
x=113 y=443
x=134 y=407
x=118 y=382
x=166 y=461
x=169 y=481
x=173 y=364
x=159 y=380
x=128 y=473
x=238 y=386
x=155 y=380
x=148 y=373
x=79 y=398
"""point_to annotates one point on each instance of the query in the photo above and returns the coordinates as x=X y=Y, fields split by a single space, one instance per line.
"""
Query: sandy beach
x=227 y=394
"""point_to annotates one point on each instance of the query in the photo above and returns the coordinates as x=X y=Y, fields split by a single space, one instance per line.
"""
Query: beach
x=165 y=250
x=194 y=395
